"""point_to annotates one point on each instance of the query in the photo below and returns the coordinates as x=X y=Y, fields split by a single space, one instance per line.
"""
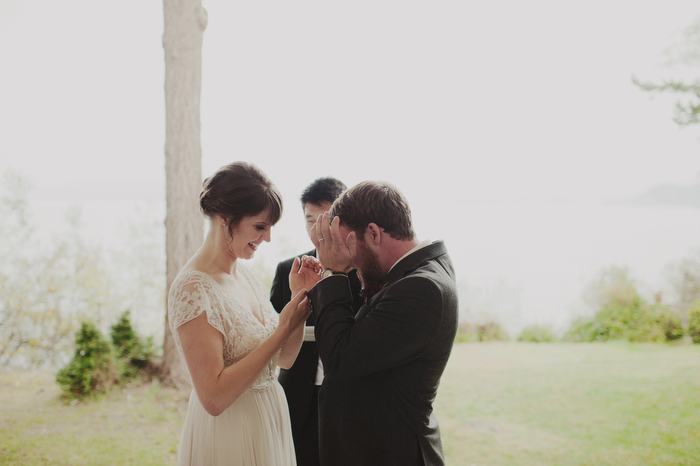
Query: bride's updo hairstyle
x=238 y=190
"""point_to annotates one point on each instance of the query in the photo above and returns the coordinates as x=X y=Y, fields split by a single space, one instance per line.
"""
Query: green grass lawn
x=499 y=404
x=571 y=404
x=139 y=425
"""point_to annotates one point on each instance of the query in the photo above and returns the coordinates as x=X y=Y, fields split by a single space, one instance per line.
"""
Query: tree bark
x=184 y=25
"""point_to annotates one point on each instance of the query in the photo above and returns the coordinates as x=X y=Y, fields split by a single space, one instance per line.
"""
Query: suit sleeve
x=279 y=285
x=395 y=331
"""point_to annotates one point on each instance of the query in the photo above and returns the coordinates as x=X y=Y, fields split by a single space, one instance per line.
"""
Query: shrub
x=652 y=323
x=694 y=322
x=673 y=326
x=133 y=353
x=93 y=368
x=636 y=321
x=537 y=334
x=582 y=329
x=486 y=330
x=668 y=320
x=609 y=323
x=613 y=285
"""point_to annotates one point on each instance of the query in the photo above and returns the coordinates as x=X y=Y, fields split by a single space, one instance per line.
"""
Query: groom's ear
x=351 y=243
x=373 y=234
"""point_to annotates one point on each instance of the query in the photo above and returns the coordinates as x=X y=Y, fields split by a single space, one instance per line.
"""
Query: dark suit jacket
x=383 y=365
x=299 y=381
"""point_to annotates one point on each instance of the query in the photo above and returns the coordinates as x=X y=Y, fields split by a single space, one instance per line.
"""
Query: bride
x=228 y=332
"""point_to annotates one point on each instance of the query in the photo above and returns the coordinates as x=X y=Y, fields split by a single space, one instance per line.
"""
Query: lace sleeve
x=191 y=295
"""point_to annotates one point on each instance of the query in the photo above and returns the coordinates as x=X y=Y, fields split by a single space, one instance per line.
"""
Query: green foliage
x=133 y=353
x=684 y=277
x=656 y=323
x=636 y=322
x=484 y=330
x=613 y=285
x=93 y=368
x=694 y=322
x=537 y=334
x=582 y=329
x=623 y=314
x=685 y=113
x=45 y=290
x=48 y=287
x=98 y=364
x=687 y=52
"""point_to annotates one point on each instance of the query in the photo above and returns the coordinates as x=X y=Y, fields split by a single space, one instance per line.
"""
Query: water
x=528 y=262
x=520 y=262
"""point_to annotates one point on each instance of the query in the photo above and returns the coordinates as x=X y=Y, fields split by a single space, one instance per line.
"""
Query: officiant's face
x=249 y=234
x=311 y=213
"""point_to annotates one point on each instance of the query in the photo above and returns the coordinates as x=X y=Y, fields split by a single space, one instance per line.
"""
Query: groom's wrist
x=330 y=273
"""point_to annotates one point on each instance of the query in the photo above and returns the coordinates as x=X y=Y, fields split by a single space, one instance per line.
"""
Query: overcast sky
x=452 y=101
x=447 y=99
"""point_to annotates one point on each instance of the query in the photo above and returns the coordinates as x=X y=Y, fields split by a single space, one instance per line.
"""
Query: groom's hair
x=239 y=190
x=375 y=202
x=322 y=190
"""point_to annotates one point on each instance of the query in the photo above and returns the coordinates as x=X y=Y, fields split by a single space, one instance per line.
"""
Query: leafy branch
x=685 y=113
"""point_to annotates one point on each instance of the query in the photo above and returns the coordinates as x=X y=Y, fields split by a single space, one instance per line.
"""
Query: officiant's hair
x=239 y=190
x=322 y=190
x=375 y=202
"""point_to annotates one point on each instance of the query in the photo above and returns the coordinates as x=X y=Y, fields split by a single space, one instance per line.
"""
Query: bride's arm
x=291 y=348
x=203 y=346
x=305 y=273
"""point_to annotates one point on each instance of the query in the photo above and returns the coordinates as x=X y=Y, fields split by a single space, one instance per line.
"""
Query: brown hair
x=375 y=202
x=238 y=190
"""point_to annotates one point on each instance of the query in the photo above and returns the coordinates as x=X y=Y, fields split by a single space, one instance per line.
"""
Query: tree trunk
x=184 y=24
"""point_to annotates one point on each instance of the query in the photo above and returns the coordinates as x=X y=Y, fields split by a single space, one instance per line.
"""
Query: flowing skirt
x=254 y=430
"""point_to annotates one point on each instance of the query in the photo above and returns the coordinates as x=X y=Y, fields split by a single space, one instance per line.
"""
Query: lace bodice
x=194 y=292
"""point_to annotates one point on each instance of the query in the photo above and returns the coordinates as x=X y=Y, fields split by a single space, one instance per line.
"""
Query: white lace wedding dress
x=255 y=429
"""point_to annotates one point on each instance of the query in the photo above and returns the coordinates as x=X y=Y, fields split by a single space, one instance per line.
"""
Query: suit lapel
x=401 y=269
x=413 y=261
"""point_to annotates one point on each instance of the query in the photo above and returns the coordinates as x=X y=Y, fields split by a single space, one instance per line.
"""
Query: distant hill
x=671 y=195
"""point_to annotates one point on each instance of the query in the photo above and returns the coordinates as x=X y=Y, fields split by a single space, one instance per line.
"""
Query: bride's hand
x=295 y=312
x=305 y=274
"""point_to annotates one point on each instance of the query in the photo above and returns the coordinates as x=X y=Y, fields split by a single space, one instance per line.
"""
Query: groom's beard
x=369 y=271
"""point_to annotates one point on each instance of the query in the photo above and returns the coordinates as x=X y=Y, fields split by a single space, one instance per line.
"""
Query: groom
x=383 y=365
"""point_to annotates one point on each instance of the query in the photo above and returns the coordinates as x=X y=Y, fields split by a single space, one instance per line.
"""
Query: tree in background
x=133 y=352
x=694 y=322
x=687 y=52
x=53 y=280
x=613 y=285
x=684 y=278
x=93 y=368
x=622 y=314
x=184 y=25
x=45 y=290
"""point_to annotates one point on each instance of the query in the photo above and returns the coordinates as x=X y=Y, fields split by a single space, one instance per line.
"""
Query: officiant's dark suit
x=299 y=380
x=382 y=365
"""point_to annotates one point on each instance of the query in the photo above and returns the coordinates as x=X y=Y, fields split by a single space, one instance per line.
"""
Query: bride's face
x=249 y=234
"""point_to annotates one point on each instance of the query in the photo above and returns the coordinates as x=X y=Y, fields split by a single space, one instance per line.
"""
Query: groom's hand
x=336 y=249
